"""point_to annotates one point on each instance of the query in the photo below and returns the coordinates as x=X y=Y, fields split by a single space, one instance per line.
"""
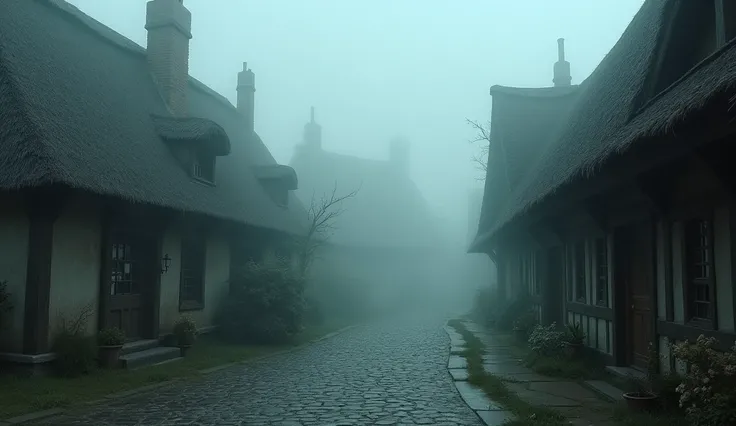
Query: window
x=193 y=259
x=700 y=272
x=601 y=271
x=727 y=11
x=580 y=272
x=537 y=284
x=203 y=167
x=568 y=273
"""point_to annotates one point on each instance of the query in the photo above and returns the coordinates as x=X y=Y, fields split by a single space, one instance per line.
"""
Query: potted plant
x=110 y=342
x=644 y=399
x=574 y=338
x=185 y=331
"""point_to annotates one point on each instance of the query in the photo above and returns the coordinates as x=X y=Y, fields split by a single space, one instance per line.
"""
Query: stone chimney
x=169 y=26
x=562 y=67
x=399 y=155
x=313 y=133
x=246 y=96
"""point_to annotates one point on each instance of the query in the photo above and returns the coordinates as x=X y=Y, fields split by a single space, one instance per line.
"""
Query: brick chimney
x=246 y=96
x=169 y=26
x=562 y=67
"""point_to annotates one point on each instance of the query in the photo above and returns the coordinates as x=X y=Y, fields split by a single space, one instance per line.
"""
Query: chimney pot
x=562 y=67
x=312 y=133
x=169 y=26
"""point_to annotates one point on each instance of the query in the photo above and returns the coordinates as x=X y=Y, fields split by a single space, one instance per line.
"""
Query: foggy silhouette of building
x=611 y=203
x=386 y=233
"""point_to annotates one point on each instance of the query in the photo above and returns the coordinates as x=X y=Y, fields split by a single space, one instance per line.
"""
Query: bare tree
x=482 y=136
x=322 y=214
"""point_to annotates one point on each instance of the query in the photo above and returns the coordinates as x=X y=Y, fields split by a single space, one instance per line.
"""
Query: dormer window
x=203 y=167
x=277 y=180
x=195 y=143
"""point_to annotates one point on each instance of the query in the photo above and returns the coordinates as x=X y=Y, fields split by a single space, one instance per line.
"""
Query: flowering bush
x=547 y=341
x=707 y=392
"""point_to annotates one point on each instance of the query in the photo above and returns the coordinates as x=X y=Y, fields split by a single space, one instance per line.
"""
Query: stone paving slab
x=606 y=389
x=476 y=398
x=541 y=399
x=495 y=418
x=509 y=368
x=501 y=359
x=458 y=374
x=526 y=377
x=457 y=361
x=457 y=349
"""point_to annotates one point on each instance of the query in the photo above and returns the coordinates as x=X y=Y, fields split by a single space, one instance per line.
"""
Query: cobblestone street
x=377 y=374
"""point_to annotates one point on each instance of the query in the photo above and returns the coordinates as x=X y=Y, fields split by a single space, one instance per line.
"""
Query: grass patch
x=624 y=417
x=24 y=395
x=495 y=388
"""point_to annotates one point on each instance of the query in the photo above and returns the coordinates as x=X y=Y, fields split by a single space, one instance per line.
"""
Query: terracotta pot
x=641 y=401
x=573 y=350
x=186 y=339
x=184 y=349
x=109 y=356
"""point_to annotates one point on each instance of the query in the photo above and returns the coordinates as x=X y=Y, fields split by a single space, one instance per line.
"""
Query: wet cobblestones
x=371 y=375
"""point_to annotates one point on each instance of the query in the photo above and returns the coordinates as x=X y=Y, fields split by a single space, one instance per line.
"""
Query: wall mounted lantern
x=165 y=263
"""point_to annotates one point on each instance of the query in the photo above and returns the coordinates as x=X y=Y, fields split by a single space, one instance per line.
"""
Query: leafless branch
x=482 y=136
x=322 y=215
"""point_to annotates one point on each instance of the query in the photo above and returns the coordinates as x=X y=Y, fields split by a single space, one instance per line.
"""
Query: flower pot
x=641 y=401
x=109 y=356
x=573 y=350
x=186 y=339
x=183 y=349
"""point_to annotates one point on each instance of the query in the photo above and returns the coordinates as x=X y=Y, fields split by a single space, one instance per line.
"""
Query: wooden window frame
x=576 y=271
x=199 y=271
x=599 y=274
x=709 y=323
x=200 y=159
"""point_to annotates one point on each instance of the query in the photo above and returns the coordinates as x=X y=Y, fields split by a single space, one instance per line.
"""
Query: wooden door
x=639 y=286
x=130 y=272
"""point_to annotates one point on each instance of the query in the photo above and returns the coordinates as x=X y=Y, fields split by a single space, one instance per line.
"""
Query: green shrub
x=547 y=341
x=111 y=337
x=265 y=305
x=75 y=350
x=185 y=330
x=525 y=323
x=512 y=311
x=574 y=333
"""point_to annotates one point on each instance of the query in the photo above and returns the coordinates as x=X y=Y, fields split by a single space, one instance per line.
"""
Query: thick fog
x=381 y=69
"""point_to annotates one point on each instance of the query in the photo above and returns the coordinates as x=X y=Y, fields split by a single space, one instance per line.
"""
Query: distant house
x=125 y=184
x=386 y=234
x=620 y=213
x=480 y=271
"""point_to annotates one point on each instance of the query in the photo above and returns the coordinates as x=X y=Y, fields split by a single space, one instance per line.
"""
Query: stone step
x=139 y=345
x=150 y=356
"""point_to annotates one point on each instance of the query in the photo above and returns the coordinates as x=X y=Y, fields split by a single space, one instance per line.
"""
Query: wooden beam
x=720 y=24
x=43 y=208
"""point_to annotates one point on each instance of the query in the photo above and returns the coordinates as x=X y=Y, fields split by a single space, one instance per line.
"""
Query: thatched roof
x=608 y=119
x=78 y=106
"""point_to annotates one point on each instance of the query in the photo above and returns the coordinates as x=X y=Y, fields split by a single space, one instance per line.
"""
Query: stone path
x=581 y=405
x=371 y=375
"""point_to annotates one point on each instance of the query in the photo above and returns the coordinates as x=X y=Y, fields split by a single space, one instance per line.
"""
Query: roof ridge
x=123 y=42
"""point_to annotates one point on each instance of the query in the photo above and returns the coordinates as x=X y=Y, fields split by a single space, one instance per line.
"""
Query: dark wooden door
x=130 y=273
x=640 y=284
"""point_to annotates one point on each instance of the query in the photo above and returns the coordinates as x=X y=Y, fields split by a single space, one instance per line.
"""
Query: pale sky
x=374 y=69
